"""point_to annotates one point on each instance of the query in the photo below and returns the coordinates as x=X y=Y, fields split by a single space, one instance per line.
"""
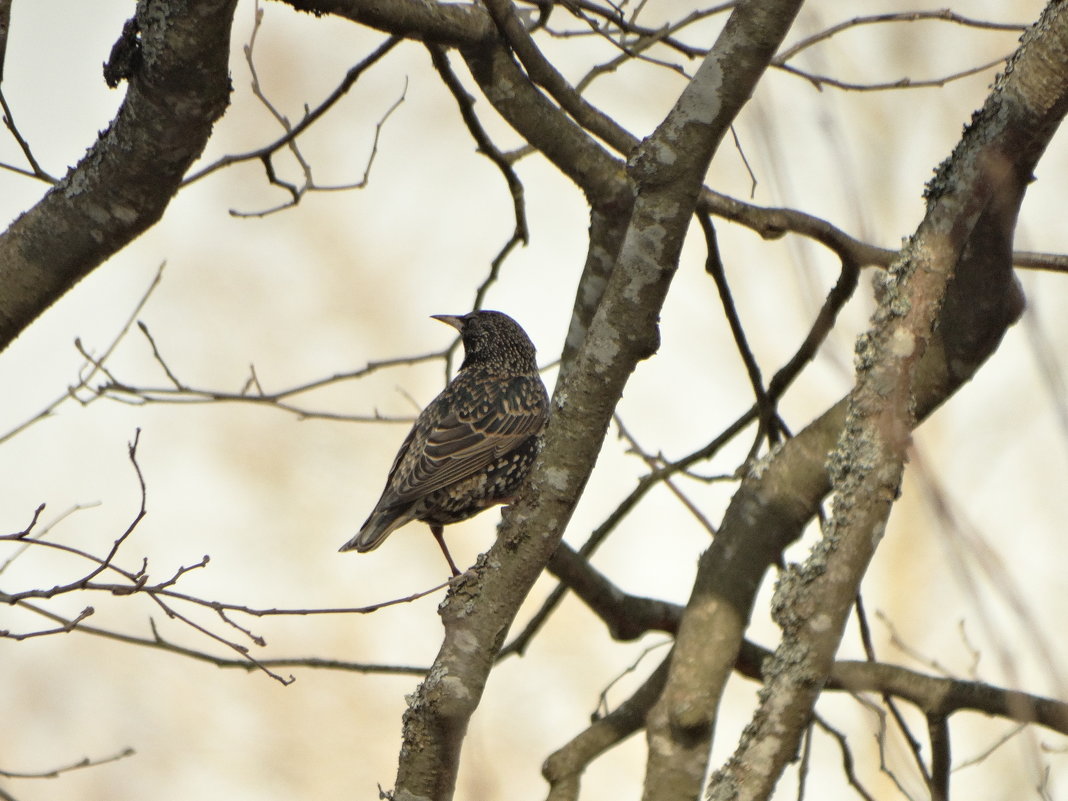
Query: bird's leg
x=438 y=532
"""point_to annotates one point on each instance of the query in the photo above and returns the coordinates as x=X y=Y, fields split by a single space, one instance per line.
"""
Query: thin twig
x=848 y=765
x=942 y=15
x=654 y=463
x=53 y=773
x=24 y=146
x=767 y=413
x=156 y=641
x=162 y=593
x=184 y=393
x=158 y=357
x=983 y=755
x=820 y=81
x=899 y=719
x=310 y=117
x=521 y=232
x=87 y=372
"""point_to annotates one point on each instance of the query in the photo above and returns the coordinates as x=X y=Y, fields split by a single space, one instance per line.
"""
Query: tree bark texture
x=666 y=173
x=942 y=310
x=174 y=60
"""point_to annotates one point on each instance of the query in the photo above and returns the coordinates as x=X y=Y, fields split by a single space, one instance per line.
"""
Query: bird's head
x=491 y=337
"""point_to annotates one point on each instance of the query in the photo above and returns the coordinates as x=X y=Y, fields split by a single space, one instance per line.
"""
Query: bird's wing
x=458 y=446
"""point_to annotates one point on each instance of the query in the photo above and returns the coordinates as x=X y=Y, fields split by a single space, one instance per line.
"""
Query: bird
x=472 y=447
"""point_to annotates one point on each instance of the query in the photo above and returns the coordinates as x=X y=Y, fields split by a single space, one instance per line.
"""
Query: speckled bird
x=474 y=445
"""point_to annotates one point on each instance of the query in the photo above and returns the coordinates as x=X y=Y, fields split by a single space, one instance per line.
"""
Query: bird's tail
x=375 y=529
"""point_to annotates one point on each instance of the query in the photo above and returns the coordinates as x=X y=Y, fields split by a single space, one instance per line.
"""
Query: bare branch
x=563 y=769
x=127 y=178
x=92 y=366
x=1054 y=262
x=521 y=234
x=18 y=535
x=941 y=761
x=159 y=643
x=184 y=393
x=292 y=132
x=543 y=73
x=983 y=755
x=161 y=593
x=309 y=118
x=628 y=617
x=66 y=628
x=966 y=234
x=915 y=749
x=943 y=14
x=448 y=24
x=619 y=26
x=847 y=757
x=53 y=773
x=820 y=81
x=767 y=416
x=655 y=462
x=35 y=170
x=5 y=26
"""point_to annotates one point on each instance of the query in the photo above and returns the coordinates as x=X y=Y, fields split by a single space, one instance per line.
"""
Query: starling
x=473 y=446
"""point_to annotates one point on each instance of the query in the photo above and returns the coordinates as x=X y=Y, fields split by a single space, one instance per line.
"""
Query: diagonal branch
x=9 y=123
x=767 y=416
x=124 y=183
x=521 y=233
x=563 y=769
x=448 y=24
x=288 y=139
x=628 y=617
x=543 y=73
x=955 y=272
x=667 y=172
x=5 y=26
x=543 y=125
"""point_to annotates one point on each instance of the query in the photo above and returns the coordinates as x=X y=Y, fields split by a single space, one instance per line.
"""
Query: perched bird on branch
x=473 y=446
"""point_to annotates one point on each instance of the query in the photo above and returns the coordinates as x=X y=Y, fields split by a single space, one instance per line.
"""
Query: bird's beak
x=450 y=319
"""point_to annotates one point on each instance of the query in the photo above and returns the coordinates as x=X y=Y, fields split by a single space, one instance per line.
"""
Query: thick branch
x=544 y=125
x=678 y=751
x=667 y=173
x=961 y=252
x=178 y=87
x=628 y=617
x=941 y=697
x=542 y=72
x=438 y=23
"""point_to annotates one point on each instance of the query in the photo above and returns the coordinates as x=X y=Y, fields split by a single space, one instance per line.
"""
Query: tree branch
x=450 y=24
x=628 y=617
x=123 y=184
x=542 y=124
x=563 y=769
x=5 y=26
x=309 y=118
x=667 y=172
x=955 y=272
x=543 y=73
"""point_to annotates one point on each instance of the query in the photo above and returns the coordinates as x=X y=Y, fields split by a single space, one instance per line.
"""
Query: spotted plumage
x=473 y=445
